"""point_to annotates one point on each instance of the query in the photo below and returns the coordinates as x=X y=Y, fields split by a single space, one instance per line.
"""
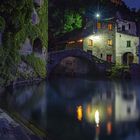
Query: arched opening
x=37 y=46
x=128 y=58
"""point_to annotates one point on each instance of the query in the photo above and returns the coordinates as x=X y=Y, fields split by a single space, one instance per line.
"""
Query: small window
x=89 y=51
x=109 y=58
x=129 y=43
x=110 y=27
x=109 y=42
x=90 y=42
x=129 y=26
x=98 y=25
x=123 y=28
x=101 y=55
x=128 y=110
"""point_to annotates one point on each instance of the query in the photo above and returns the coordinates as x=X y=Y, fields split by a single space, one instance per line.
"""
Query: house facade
x=114 y=41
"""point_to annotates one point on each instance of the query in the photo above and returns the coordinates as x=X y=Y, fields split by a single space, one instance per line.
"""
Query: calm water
x=80 y=109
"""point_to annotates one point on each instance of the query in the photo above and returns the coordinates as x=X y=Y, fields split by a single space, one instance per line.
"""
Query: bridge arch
x=56 y=57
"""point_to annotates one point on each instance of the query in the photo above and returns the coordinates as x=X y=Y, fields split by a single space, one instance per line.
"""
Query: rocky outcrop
x=25 y=71
x=26 y=48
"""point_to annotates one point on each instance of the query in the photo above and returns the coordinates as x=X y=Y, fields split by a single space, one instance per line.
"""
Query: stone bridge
x=56 y=57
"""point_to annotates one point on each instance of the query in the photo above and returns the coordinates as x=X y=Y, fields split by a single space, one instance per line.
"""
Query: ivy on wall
x=16 y=25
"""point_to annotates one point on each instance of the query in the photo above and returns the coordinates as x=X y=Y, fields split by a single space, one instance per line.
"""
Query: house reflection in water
x=111 y=113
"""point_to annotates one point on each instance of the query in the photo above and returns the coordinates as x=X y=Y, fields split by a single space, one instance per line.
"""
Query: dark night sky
x=133 y=3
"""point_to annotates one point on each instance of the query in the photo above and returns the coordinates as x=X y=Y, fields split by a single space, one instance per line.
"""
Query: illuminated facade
x=114 y=41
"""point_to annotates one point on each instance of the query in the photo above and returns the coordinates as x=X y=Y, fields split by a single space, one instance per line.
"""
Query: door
x=128 y=58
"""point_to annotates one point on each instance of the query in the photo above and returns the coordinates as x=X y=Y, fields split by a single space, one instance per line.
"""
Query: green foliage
x=117 y=71
x=2 y=24
x=38 y=64
x=73 y=21
x=16 y=25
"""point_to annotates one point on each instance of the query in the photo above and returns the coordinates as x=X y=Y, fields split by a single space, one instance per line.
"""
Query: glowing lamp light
x=97 y=15
x=81 y=40
x=97 y=118
x=96 y=37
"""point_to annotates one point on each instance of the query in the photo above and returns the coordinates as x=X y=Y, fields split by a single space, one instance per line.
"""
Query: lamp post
x=97 y=18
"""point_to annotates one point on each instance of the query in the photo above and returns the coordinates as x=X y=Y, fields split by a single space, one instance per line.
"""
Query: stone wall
x=25 y=71
x=100 y=47
x=121 y=46
x=127 y=27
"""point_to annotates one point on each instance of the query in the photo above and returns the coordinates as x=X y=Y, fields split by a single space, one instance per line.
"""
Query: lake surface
x=80 y=109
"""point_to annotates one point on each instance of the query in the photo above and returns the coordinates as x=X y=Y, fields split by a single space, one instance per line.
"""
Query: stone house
x=113 y=40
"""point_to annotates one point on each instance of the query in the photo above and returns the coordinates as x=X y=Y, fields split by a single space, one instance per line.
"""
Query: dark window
x=101 y=55
x=128 y=110
x=89 y=51
x=123 y=28
x=129 y=43
x=129 y=26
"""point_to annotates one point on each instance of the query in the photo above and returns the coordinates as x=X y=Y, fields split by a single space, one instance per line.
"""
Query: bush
x=38 y=64
x=117 y=71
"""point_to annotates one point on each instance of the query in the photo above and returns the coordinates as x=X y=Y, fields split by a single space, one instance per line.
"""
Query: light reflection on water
x=93 y=109
x=71 y=109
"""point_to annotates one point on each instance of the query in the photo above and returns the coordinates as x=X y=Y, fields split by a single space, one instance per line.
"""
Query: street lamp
x=97 y=15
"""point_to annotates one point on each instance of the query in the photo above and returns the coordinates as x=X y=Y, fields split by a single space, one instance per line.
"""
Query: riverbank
x=12 y=130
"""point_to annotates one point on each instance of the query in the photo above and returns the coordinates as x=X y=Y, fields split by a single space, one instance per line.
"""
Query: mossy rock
x=2 y=24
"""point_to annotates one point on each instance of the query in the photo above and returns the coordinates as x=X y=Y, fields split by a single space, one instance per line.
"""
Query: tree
x=16 y=25
x=72 y=21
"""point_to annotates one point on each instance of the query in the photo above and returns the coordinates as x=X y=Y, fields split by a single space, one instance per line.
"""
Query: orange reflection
x=88 y=111
x=79 y=113
x=109 y=128
x=97 y=130
x=109 y=110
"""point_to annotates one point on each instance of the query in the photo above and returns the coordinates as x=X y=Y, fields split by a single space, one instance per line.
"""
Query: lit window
x=98 y=25
x=129 y=43
x=109 y=42
x=110 y=27
x=90 y=42
x=109 y=110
